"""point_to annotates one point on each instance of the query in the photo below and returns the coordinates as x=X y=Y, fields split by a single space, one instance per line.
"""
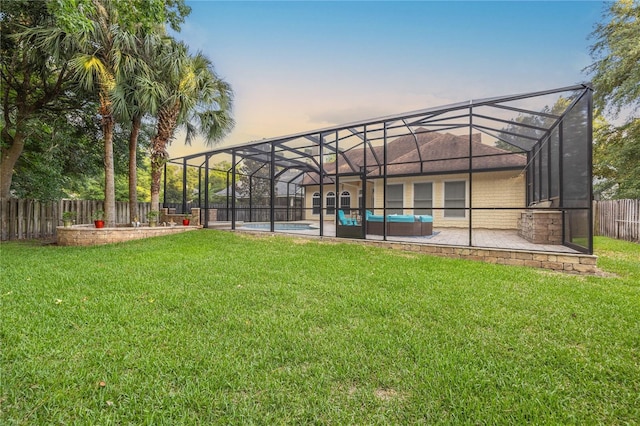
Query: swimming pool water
x=280 y=226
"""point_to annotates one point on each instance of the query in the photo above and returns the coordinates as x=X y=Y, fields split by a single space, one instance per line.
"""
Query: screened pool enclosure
x=511 y=171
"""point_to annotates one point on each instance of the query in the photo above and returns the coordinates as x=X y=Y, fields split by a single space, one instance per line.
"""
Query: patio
x=482 y=238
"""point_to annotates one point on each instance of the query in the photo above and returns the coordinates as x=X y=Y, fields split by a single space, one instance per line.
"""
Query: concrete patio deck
x=482 y=238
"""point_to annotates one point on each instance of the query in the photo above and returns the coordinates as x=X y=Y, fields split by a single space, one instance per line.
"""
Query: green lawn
x=213 y=327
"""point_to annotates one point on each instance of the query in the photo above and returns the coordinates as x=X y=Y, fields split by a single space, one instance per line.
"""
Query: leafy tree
x=59 y=152
x=144 y=179
x=35 y=81
x=523 y=120
x=174 y=184
x=254 y=181
x=90 y=183
x=616 y=80
x=616 y=160
x=218 y=180
x=616 y=70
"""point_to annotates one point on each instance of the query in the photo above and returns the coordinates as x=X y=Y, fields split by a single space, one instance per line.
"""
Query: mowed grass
x=212 y=327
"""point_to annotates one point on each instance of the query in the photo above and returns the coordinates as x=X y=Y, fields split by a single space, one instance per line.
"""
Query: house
x=427 y=173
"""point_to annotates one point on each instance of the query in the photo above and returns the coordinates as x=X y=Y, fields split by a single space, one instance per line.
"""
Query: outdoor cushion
x=373 y=217
x=424 y=218
x=400 y=218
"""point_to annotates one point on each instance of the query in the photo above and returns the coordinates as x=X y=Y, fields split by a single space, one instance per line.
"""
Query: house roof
x=426 y=153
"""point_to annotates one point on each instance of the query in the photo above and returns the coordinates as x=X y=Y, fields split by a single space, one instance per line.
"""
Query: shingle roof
x=427 y=153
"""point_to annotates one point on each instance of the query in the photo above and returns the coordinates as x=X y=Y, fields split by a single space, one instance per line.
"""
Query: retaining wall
x=88 y=235
x=562 y=262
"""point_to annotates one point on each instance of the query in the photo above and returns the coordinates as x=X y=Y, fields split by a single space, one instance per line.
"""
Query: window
x=454 y=198
x=315 y=203
x=331 y=203
x=423 y=198
x=345 y=202
x=395 y=200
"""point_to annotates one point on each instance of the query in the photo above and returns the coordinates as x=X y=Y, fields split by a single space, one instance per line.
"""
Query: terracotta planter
x=99 y=223
x=185 y=222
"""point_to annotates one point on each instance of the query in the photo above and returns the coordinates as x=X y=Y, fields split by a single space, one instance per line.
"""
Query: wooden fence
x=618 y=219
x=30 y=219
x=22 y=219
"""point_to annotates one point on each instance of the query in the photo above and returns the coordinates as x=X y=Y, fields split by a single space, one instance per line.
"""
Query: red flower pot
x=99 y=223
x=185 y=222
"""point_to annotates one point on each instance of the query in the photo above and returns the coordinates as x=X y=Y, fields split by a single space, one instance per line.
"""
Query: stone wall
x=561 y=262
x=88 y=235
x=541 y=226
x=579 y=263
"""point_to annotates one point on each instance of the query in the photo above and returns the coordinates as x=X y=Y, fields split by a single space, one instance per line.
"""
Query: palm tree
x=106 y=56
x=194 y=97
x=137 y=97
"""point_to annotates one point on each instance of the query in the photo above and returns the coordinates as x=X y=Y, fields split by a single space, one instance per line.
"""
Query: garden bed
x=88 y=235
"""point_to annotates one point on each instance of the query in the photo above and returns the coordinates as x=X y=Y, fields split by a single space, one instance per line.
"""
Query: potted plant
x=153 y=217
x=67 y=218
x=186 y=219
x=98 y=218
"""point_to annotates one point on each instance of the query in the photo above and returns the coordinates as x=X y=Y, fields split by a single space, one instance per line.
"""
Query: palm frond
x=215 y=125
x=91 y=72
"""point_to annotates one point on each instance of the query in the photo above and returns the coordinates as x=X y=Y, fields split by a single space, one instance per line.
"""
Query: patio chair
x=345 y=220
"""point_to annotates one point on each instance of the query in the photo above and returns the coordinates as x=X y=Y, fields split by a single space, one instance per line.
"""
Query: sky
x=300 y=65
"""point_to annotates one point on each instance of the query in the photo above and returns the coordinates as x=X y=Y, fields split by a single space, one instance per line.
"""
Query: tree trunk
x=9 y=159
x=167 y=121
x=133 y=168
x=109 y=174
x=156 y=175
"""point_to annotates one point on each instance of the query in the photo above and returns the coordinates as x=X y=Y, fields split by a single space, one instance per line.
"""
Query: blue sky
x=300 y=65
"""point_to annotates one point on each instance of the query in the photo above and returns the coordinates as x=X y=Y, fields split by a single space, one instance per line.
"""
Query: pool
x=280 y=226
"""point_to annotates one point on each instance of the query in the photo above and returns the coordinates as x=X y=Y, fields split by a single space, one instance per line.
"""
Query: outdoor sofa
x=399 y=224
